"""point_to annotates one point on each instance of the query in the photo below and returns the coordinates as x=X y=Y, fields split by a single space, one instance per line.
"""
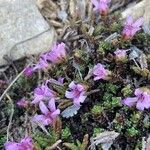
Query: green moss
x=105 y=46
x=138 y=145
x=135 y=117
x=43 y=140
x=141 y=37
x=118 y=127
x=126 y=91
x=65 y=133
x=2 y=141
x=85 y=117
x=97 y=109
x=132 y=132
x=118 y=122
x=111 y=88
x=97 y=131
x=116 y=27
x=98 y=29
x=116 y=101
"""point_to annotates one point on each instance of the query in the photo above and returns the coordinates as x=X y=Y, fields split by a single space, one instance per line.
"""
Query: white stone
x=23 y=30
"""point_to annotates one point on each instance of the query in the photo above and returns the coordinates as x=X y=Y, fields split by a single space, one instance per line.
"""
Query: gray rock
x=23 y=30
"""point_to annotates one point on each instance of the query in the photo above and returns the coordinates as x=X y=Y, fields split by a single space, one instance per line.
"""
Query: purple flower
x=28 y=71
x=100 y=72
x=61 y=80
x=57 y=54
x=43 y=92
x=120 y=54
x=23 y=103
x=131 y=27
x=76 y=92
x=42 y=64
x=141 y=99
x=101 y=5
x=48 y=113
x=25 y=144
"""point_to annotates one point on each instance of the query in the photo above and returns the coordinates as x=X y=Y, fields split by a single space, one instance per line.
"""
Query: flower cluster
x=24 y=144
x=56 y=55
x=120 y=54
x=76 y=92
x=101 y=6
x=141 y=99
x=23 y=103
x=100 y=72
x=45 y=98
x=43 y=92
x=131 y=27
x=49 y=113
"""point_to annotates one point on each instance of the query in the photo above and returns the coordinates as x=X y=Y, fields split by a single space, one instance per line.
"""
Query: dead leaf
x=112 y=37
x=81 y=8
x=146 y=143
x=72 y=9
x=143 y=61
x=85 y=142
x=70 y=111
x=105 y=139
x=57 y=126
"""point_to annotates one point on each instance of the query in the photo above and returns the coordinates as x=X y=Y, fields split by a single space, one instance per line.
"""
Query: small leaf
x=71 y=146
x=57 y=126
x=135 y=53
x=64 y=104
x=70 y=111
x=143 y=61
x=106 y=139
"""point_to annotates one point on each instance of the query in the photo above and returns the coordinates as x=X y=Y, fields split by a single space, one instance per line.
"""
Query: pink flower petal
x=81 y=99
x=43 y=108
x=96 y=5
x=140 y=105
x=97 y=78
x=138 y=92
x=42 y=119
x=69 y=94
x=51 y=105
x=72 y=85
x=130 y=101
x=129 y=20
x=80 y=87
x=55 y=113
x=138 y=22
x=27 y=143
x=103 y=7
x=12 y=146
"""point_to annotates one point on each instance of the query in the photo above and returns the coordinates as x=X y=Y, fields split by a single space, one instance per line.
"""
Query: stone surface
x=23 y=30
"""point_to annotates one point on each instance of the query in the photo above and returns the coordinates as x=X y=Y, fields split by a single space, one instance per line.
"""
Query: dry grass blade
x=57 y=126
x=54 y=146
x=85 y=142
x=143 y=61
x=11 y=115
x=72 y=9
x=11 y=84
x=81 y=7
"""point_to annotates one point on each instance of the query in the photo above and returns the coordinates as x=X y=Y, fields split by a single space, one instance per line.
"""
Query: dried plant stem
x=54 y=145
x=11 y=84
x=11 y=115
x=92 y=92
